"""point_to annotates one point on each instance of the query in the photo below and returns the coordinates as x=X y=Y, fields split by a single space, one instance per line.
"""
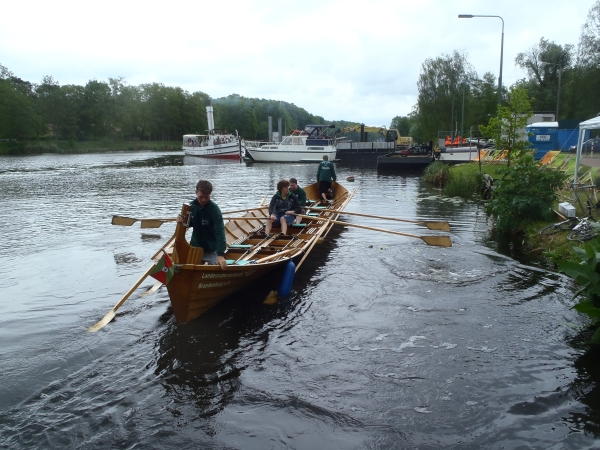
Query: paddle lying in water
x=437 y=241
x=157 y=222
x=432 y=225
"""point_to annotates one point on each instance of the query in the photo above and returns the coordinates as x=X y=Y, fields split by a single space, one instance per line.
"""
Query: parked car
x=588 y=146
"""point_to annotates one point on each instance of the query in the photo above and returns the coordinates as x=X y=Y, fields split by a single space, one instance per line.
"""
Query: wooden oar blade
x=124 y=221
x=439 y=226
x=103 y=322
x=151 y=223
x=437 y=241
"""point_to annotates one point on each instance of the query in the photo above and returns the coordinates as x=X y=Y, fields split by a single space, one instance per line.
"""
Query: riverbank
x=76 y=147
x=545 y=247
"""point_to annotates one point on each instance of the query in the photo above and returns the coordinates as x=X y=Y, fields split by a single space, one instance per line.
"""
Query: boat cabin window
x=287 y=141
x=297 y=141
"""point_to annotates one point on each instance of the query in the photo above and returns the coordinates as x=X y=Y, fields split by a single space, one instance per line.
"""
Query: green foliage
x=587 y=274
x=437 y=174
x=403 y=124
x=506 y=128
x=524 y=193
x=116 y=111
x=441 y=83
x=464 y=183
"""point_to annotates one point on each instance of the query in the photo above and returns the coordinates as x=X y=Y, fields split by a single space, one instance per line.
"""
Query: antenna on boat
x=210 y=117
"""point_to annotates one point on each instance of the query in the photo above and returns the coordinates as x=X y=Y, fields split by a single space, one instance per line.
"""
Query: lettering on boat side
x=213 y=285
x=222 y=275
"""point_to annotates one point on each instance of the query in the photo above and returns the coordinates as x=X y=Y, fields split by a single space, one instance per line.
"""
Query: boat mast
x=210 y=117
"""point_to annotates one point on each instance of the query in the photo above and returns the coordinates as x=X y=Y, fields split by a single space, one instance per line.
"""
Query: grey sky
x=350 y=60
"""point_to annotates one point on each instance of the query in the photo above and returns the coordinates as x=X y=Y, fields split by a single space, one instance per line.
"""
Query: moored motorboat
x=217 y=143
x=308 y=145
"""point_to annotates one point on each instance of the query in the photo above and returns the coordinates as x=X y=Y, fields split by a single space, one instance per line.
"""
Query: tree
x=95 y=108
x=507 y=127
x=588 y=52
x=18 y=115
x=525 y=193
x=402 y=124
x=482 y=101
x=441 y=91
x=542 y=82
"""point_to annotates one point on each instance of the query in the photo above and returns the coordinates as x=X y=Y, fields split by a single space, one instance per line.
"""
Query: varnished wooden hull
x=195 y=288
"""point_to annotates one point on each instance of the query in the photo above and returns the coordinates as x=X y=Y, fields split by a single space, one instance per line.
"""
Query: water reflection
x=199 y=161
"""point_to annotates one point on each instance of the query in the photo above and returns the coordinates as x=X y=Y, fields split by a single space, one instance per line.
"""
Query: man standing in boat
x=325 y=173
x=282 y=208
x=208 y=227
x=300 y=193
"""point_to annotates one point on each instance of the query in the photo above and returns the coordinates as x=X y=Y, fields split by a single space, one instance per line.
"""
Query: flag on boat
x=163 y=270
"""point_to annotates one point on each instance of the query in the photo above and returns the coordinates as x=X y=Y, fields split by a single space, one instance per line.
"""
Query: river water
x=384 y=343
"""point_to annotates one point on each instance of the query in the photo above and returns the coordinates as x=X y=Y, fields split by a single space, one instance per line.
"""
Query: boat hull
x=456 y=155
x=231 y=150
x=196 y=287
x=289 y=153
x=195 y=290
x=397 y=161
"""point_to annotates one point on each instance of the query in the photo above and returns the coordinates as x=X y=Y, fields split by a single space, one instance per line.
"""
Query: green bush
x=524 y=193
x=587 y=274
x=437 y=174
x=464 y=183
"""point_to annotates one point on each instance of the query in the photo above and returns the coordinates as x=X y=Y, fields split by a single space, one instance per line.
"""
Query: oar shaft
x=442 y=241
x=420 y=222
x=134 y=287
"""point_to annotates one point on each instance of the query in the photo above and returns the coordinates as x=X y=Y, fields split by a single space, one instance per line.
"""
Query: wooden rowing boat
x=250 y=253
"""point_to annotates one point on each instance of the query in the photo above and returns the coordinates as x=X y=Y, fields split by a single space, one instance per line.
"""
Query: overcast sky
x=350 y=60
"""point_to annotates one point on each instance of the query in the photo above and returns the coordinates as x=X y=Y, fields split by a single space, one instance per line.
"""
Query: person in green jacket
x=208 y=227
x=325 y=173
x=300 y=193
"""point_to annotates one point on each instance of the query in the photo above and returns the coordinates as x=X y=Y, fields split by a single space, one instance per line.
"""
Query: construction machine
x=391 y=135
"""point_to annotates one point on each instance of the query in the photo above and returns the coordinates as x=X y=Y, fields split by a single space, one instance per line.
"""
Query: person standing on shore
x=325 y=174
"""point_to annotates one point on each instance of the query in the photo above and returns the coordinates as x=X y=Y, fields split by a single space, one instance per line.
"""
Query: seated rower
x=301 y=194
x=282 y=208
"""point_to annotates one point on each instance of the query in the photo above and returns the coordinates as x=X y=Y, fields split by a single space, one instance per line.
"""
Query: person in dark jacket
x=300 y=193
x=282 y=207
x=208 y=227
x=325 y=173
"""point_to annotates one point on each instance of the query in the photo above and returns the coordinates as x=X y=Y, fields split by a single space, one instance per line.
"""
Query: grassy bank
x=467 y=181
x=104 y=145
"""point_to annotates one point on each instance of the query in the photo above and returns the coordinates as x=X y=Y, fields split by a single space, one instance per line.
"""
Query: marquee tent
x=591 y=124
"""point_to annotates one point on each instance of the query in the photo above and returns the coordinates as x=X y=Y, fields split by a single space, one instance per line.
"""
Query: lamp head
x=465 y=16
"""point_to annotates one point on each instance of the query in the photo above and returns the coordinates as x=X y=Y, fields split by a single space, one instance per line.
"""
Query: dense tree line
x=116 y=110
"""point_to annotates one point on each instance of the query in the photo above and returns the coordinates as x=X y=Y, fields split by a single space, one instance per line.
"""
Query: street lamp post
x=543 y=64
x=470 y=16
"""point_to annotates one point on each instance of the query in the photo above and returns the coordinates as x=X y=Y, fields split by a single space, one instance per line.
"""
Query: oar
x=432 y=225
x=111 y=314
x=145 y=223
x=315 y=238
x=437 y=241
x=157 y=222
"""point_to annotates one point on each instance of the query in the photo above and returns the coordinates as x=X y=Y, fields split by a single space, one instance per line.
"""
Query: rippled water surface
x=384 y=343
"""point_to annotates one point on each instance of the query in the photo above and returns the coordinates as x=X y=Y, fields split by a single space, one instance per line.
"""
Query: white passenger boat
x=455 y=155
x=216 y=144
x=308 y=145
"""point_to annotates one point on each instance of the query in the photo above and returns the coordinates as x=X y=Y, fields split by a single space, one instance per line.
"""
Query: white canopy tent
x=591 y=124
